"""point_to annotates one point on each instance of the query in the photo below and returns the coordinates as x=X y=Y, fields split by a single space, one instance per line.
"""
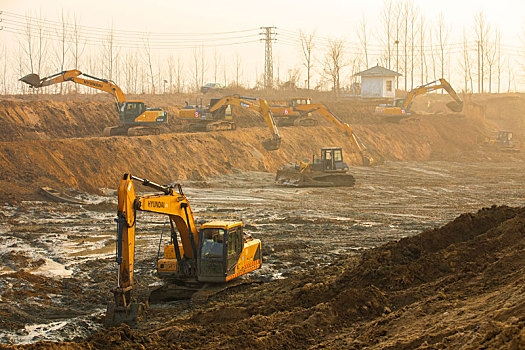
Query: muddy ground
x=343 y=268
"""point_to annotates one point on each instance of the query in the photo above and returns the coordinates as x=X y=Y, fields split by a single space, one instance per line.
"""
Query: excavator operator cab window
x=399 y=102
x=213 y=243
x=131 y=110
x=338 y=156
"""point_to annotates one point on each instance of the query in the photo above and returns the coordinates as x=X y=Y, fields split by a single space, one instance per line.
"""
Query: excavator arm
x=172 y=203
x=456 y=105
x=259 y=105
x=366 y=156
x=76 y=76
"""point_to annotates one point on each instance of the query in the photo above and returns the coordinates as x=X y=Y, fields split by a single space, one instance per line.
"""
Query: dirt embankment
x=92 y=163
x=459 y=286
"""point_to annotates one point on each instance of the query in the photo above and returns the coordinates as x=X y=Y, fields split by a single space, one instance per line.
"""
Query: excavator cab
x=130 y=110
x=300 y=101
x=220 y=248
x=331 y=160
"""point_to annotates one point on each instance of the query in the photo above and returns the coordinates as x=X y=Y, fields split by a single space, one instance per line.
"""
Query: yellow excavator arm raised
x=456 y=105
x=77 y=76
x=259 y=105
x=366 y=156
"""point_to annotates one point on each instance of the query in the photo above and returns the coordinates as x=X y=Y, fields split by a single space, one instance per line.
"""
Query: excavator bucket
x=272 y=144
x=115 y=315
x=455 y=106
x=31 y=79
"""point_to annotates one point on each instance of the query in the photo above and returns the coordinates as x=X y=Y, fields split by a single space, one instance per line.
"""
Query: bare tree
x=196 y=68
x=149 y=61
x=386 y=38
x=203 y=65
x=490 y=55
x=238 y=70
x=481 y=29
x=216 y=61
x=78 y=45
x=307 y=46
x=442 y=32
x=466 y=63
x=110 y=53
x=422 y=36
x=362 y=33
x=499 y=64
x=334 y=62
x=432 y=55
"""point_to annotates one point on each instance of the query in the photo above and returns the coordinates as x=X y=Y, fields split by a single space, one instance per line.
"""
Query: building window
x=389 y=85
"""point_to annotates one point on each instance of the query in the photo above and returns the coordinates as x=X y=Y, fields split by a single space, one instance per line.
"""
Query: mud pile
x=460 y=285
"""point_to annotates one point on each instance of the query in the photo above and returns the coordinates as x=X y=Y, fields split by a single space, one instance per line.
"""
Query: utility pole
x=268 y=34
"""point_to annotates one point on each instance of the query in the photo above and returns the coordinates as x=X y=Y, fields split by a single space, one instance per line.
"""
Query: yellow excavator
x=400 y=108
x=289 y=115
x=217 y=116
x=132 y=114
x=215 y=253
x=367 y=158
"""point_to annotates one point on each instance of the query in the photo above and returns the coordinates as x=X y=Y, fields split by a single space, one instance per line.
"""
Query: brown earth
x=48 y=143
x=458 y=286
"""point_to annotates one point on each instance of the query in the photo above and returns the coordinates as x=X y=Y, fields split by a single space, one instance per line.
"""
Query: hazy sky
x=329 y=18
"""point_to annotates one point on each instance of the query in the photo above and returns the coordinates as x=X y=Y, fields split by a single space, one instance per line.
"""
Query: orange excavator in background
x=289 y=115
x=401 y=107
x=132 y=114
x=217 y=116
x=215 y=253
x=366 y=156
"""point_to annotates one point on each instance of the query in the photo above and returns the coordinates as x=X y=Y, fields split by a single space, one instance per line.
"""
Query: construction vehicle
x=328 y=170
x=400 y=108
x=217 y=116
x=216 y=253
x=504 y=142
x=366 y=156
x=134 y=117
x=288 y=115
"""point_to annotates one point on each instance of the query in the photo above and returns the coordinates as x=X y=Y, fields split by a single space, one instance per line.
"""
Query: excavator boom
x=132 y=114
x=404 y=109
x=366 y=156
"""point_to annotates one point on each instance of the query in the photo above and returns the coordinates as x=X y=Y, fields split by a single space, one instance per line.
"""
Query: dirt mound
x=457 y=286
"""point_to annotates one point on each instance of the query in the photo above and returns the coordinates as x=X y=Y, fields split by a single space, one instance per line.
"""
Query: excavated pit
x=368 y=266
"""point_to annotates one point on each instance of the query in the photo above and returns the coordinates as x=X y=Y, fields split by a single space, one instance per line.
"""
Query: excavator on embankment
x=217 y=116
x=134 y=117
x=196 y=259
x=400 y=108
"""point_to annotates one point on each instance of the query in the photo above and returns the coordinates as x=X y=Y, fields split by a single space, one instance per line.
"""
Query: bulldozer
x=504 y=142
x=196 y=259
x=329 y=170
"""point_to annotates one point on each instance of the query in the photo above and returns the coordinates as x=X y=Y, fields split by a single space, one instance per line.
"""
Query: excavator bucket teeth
x=455 y=106
x=31 y=79
x=115 y=316
x=271 y=144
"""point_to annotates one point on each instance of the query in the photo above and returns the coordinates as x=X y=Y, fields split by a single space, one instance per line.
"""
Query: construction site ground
x=390 y=263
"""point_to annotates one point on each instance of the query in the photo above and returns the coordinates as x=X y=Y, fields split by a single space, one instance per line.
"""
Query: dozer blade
x=31 y=79
x=455 y=106
x=271 y=144
x=115 y=316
